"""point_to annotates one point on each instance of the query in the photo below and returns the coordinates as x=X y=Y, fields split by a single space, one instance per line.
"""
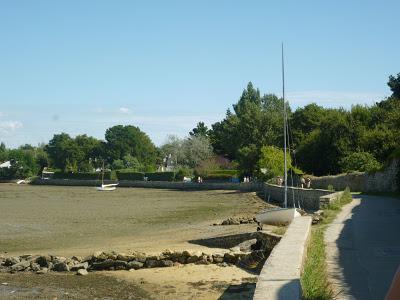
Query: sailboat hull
x=277 y=216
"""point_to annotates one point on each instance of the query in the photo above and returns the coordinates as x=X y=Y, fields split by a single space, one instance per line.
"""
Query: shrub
x=360 y=161
x=160 y=176
x=129 y=175
x=221 y=175
x=82 y=175
x=183 y=172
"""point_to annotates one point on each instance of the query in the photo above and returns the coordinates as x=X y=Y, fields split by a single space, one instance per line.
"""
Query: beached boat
x=281 y=215
x=106 y=187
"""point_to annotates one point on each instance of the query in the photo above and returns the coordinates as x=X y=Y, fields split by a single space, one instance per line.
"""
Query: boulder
x=192 y=259
x=152 y=263
x=166 y=263
x=42 y=271
x=125 y=257
x=20 y=266
x=82 y=272
x=35 y=266
x=43 y=260
x=61 y=267
x=218 y=258
x=12 y=260
x=80 y=266
x=230 y=258
x=134 y=265
x=109 y=264
x=99 y=256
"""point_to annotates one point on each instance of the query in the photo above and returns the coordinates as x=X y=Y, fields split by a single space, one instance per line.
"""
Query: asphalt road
x=363 y=247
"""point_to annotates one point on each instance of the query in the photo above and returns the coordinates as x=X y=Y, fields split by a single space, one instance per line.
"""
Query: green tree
x=130 y=140
x=200 y=129
x=394 y=84
x=360 y=161
x=271 y=162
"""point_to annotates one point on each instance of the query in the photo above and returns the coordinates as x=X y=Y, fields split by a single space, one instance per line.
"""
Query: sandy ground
x=80 y=220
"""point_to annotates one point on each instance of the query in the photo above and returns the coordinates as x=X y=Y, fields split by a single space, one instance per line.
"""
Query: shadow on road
x=369 y=246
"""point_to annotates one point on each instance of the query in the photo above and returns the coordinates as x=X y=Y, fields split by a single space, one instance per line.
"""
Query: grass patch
x=314 y=279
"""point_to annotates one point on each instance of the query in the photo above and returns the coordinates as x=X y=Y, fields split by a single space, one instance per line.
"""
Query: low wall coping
x=280 y=276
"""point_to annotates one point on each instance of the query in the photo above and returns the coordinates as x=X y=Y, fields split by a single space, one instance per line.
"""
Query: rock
x=42 y=271
x=203 y=260
x=12 y=260
x=192 y=259
x=22 y=265
x=166 y=263
x=140 y=257
x=230 y=258
x=35 y=266
x=80 y=266
x=125 y=257
x=61 y=267
x=246 y=246
x=82 y=272
x=59 y=259
x=50 y=265
x=177 y=264
x=224 y=264
x=152 y=263
x=43 y=261
x=319 y=212
x=134 y=265
x=109 y=264
x=99 y=256
x=77 y=258
x=218 y=258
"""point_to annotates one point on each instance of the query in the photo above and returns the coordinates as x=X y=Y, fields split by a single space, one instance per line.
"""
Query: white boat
x=106 y=187
x=280 y=215
x=277 y=216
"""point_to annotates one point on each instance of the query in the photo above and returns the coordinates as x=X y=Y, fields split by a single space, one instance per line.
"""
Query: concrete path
x=363 y=247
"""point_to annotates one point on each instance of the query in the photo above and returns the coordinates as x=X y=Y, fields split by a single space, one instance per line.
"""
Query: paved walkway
x=363 y=247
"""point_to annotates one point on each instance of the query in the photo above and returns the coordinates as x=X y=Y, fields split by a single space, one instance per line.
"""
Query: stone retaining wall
x=280 y=277
x=385 y=181
x=247 y=187
x=309 y=199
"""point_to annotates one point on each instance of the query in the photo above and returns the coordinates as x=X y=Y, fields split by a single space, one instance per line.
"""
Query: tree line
x=250 y=138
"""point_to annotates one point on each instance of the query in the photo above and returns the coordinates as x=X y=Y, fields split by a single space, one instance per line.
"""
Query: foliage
x=188 y=152
x=271 y=162
x=129 y=174
x=220 y=175
x=360 y=161
x=200 y=130
x=160 y=176
x=123 y=141
x=82 y=175
x=394 y=84
x=183 y=172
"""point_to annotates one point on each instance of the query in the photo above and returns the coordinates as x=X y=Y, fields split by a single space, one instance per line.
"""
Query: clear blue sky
x=83 y=66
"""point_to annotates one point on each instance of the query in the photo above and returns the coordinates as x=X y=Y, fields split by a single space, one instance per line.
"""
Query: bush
x=160 y=176
x=183 y=172
x=360 y=161
x=82 y=175
x=129 y=175
x=221 y=175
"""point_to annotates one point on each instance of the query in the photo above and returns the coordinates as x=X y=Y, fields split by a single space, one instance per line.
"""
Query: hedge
x=129 y=175
x=83 y=175
x=161 y=176
x=223 y=175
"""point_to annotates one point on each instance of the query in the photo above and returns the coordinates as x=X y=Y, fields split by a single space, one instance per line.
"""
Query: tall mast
x=284 y=128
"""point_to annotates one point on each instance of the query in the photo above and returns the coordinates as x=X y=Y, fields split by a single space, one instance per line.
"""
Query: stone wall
x=309 y=199
x=246 y=187
x=384 y=181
